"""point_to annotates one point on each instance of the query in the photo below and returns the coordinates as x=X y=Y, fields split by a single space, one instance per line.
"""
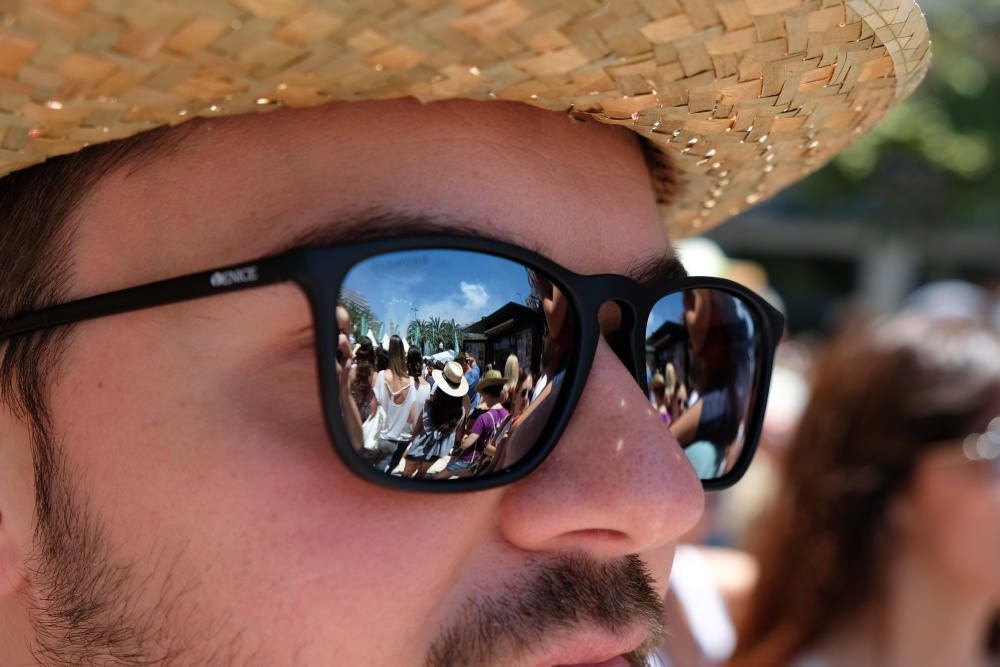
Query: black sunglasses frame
x=320 y=272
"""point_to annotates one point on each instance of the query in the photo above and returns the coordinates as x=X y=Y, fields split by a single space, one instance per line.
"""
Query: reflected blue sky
x=449 y=284
x=668 y=309
x=671 y=309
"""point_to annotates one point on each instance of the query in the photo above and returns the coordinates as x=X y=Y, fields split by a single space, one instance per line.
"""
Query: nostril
x=600 y=535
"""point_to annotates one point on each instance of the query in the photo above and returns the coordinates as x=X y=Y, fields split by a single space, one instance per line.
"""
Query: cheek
x=959 y=529
x=211 y=453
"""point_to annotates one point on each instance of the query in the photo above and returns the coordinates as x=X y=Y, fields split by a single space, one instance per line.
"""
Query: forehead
x=237 y=188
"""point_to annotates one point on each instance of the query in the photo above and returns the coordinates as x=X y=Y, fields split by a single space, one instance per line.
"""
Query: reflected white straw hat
x=735 y=98
x=450 y=380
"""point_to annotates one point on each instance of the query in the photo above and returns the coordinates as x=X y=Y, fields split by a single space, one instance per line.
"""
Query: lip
x=592 y=647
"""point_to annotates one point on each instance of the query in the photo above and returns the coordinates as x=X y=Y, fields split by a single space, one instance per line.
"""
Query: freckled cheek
x=235 y=463
x=142 y=405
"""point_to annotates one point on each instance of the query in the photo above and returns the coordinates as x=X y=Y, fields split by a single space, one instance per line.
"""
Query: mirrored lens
x=702 y=351
x=456 y=359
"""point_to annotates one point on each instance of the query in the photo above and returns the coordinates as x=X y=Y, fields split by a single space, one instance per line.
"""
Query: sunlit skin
x=194 y=431
x=955 y=499
x=946 y=584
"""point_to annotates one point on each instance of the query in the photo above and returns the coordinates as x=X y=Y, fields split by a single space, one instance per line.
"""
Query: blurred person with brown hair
x=883 y=545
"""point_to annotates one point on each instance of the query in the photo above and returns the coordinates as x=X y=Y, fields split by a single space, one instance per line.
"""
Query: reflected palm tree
x=432 y=326
x=415 y=333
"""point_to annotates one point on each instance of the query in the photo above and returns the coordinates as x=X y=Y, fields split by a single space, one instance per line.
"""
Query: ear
x=16 y=501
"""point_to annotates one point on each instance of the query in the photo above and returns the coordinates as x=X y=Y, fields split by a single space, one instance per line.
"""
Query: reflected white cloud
x=463 y=286
x=467 y=306
x=475 y=294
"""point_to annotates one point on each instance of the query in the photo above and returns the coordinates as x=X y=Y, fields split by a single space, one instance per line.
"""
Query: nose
x=616 y=483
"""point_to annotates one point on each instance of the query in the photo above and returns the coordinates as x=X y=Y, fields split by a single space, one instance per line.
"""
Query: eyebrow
x=653 y=271
x=657 y=270
x=379 y=224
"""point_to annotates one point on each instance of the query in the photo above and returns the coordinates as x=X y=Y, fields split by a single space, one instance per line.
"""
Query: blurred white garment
x=950 y=300
x=539 y=386
x=693 y=583
x=657 y=659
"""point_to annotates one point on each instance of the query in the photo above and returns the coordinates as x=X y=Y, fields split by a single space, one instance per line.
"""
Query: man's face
x=208 y=520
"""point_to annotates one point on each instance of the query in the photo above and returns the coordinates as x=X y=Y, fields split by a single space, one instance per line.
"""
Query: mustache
x=570 y=593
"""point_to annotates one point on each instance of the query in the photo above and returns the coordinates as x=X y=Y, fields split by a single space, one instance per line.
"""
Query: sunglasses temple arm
x=174 y=290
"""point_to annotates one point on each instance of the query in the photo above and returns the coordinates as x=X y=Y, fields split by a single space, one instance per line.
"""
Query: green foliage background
x=933 y=159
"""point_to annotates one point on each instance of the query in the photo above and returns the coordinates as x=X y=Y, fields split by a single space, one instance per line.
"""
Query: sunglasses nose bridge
x=617 y=303
x=617 y=323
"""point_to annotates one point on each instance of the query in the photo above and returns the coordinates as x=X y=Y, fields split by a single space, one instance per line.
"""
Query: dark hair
x=493 y=390
x=365 y=369
x=37 y=205
x=415 y=363
x=445 y=410
x=381 y=358
x=882 y=397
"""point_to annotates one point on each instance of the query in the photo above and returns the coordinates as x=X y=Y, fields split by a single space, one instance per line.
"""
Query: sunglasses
x=451 y=295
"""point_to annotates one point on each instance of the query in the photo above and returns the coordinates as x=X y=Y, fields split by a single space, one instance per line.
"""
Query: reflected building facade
x=511 y=329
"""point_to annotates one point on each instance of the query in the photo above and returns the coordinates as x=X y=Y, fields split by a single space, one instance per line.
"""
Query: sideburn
x=87 y=607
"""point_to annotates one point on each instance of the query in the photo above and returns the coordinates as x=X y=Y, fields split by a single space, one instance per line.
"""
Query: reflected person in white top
x=393 y=390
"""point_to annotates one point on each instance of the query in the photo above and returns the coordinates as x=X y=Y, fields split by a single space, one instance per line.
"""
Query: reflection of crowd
x=443 y=417
x=703 y=397
x=668 y=396
x=434 y=417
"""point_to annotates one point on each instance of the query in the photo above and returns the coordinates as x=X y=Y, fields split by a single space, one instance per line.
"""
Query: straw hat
x=450 y=380
x=737 y=98
x=491 y=378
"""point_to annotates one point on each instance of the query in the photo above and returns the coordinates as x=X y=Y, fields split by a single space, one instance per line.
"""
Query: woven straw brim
x=738 y=97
